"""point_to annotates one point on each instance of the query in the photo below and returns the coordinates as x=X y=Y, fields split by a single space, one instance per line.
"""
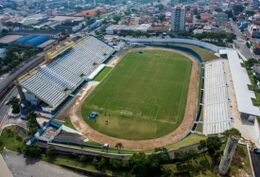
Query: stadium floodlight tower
x=228 y=154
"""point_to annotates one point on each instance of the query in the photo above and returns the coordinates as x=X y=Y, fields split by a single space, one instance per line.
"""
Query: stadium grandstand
x=48 y=87
x=216 y=114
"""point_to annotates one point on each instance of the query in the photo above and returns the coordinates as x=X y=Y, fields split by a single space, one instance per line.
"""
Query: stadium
x=151 y=94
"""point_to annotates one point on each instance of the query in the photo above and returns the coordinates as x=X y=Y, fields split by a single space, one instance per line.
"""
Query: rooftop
x=241 y=81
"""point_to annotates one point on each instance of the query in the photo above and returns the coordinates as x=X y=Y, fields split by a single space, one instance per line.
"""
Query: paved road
x=7 y=82
x=4 y=108
x=240 y=42
x=256 y=163
x=28 y=167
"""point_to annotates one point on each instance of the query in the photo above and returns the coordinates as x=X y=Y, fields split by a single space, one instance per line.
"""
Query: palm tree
x=14 y=102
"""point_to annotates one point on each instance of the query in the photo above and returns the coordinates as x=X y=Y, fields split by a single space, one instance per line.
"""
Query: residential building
x=178 y=19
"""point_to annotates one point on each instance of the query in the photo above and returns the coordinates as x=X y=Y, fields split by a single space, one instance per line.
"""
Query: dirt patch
x=171 y=138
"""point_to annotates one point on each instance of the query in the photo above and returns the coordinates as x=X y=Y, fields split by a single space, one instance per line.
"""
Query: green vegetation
x=192 y=163
x=204 y=53
x=32 y=151
x=67 y=122
x=77 y=162
x=189 y=140
x=199 y=127
x=143 y=97
x=215 y=37
x=232 y=131
x=14 y=56
x=240 y=161
x=103 y=74
x=32 y=123
x=11 y=140
x=254 y=79
x=137 y=33
x=14 y=102
x=213 y=146
x=188 y=163
x=238 y=8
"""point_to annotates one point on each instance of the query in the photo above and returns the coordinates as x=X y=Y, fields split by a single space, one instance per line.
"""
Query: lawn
x=189 y=140
x=206 y=54
x=103 y=74
x=10 y=139
x=143 y=97
x=67 y=122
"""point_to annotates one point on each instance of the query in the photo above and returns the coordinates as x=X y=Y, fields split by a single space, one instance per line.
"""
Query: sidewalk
x=4 y=170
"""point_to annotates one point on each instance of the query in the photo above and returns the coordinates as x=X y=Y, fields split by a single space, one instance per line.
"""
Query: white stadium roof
x=241 y=81
x=175 y=40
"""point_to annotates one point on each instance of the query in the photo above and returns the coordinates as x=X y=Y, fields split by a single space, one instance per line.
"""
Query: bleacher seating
x=52 y=83
x=216 y=110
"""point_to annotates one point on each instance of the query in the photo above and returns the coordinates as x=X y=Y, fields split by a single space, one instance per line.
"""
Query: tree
x=32 y=151
x=99 y=163
x=138 y=165
x=142 y=165
x=115 y=163
x=186 y=156
x=82 y=158
x=162 y=154
x=232 y=131
x=50 y=154
x=212 y=145
x=250 y=13
x=250 y=62
x=32 y=123
x=229 y=13
x=14 y=102
x=116 y=18
x=196 y=12
x=238 y=8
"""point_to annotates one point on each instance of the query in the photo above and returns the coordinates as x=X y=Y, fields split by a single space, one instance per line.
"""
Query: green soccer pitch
x=143 y=97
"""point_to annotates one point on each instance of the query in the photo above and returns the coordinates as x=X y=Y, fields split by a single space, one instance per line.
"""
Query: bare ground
x=171 y=138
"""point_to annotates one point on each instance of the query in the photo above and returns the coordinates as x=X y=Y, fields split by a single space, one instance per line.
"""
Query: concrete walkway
x=29 y=167
x=4 y=170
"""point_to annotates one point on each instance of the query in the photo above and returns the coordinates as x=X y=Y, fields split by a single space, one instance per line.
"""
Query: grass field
x=10 y=139
x=103 y=74
x=207 y=55
x=143 y=97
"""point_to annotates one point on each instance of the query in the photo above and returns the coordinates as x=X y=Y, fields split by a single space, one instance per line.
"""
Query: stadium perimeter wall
x=202 y=44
